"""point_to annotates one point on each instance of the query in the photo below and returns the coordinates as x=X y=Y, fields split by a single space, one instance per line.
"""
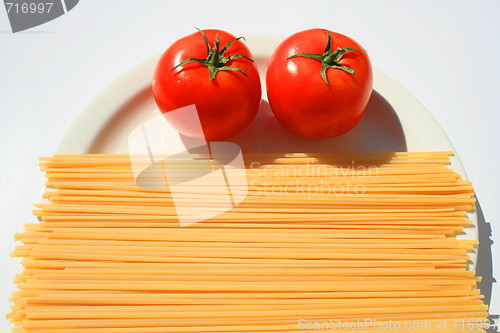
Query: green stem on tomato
x=216 y=60
x=329 y=58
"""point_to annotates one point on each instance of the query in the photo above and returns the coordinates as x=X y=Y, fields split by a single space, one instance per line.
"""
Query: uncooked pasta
x=351 y=242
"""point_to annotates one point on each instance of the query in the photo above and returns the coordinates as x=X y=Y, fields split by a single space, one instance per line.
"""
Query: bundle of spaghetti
x=354 y=242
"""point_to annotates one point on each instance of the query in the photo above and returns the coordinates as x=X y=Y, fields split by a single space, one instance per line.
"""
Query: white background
x=446 y=53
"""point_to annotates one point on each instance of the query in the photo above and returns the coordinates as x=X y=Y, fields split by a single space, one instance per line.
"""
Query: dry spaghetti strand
x=317 y=236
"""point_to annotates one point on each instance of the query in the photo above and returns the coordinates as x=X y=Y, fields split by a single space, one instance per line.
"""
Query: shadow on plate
x=484 y=266
x=379 y=131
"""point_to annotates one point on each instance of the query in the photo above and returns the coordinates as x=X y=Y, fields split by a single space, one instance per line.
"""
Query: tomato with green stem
x=319 y=83
x=214 y=71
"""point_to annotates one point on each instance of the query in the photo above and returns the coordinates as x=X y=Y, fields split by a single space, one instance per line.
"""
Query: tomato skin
x=225 y=105
x=299 y=97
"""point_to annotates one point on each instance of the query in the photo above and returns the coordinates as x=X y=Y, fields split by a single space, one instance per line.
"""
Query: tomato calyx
x=329 y=58
x=216 y=60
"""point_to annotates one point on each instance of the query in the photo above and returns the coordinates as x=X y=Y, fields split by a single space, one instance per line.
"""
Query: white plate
x=394 y=121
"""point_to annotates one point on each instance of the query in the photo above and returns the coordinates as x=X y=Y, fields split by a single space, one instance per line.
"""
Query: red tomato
x=319 y=86
x=213 y=70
